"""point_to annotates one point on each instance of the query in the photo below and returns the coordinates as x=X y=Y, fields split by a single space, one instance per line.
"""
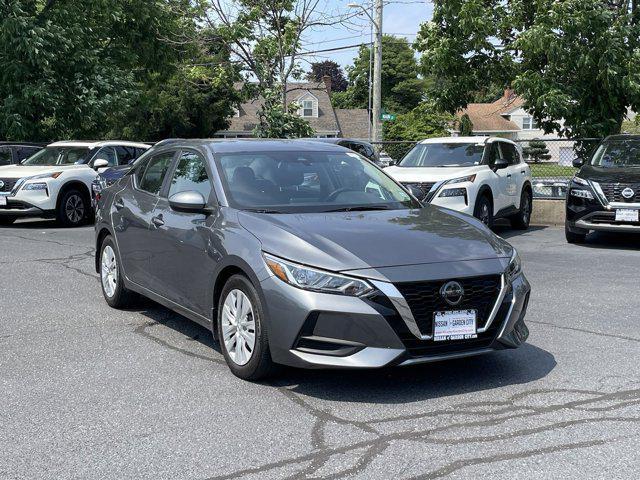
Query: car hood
x=21 y=171
x=610 y=175
x=375 y=239
x=430 y=174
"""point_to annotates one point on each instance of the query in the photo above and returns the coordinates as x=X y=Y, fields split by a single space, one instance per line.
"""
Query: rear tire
x=111 y=278
x=242 y=331
x=574 y=237
x=6 y=221
x=483 y=210
x=522 y=219
x=73 y=208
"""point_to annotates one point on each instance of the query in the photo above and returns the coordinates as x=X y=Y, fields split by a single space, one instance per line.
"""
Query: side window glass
x=493 y=154
x=125 y=155
x=191 y=175
x=5 y=156
x=154 y=173
x=509 y=152
x=108 y=154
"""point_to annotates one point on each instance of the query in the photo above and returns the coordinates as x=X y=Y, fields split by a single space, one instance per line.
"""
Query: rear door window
x=151 y=177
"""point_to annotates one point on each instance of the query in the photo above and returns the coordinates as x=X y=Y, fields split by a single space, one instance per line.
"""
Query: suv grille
x=425 y=187
x=9 y=183
x=613 y=192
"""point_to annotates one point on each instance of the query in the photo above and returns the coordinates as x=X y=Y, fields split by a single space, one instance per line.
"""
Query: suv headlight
x=581 y=181
x=308 y=278
x=515 y=266
x=468 y=178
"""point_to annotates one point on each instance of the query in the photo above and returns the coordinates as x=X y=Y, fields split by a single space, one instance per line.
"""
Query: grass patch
x=551 y=170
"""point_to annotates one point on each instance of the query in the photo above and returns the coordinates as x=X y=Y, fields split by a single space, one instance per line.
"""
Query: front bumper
x=315 y=330
x=17 y=208
x=597 y=214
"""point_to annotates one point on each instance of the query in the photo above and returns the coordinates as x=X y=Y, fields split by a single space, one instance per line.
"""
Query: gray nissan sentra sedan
x=305 y=254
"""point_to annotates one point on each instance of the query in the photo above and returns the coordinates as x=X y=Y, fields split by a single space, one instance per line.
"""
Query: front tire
x=522 y=219
x=242 y=331
x=73 y=208
x=111 y=278
x=483 y=210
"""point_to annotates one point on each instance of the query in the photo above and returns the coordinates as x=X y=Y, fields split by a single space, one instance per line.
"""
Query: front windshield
x=51 y=156
x=618 y=154
x=292 y=182
x=443 y=155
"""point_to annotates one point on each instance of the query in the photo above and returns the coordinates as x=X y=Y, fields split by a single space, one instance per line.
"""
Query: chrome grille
x=7 y=184
x=425 y=187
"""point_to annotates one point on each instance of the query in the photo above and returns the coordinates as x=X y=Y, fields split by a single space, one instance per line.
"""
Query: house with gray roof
x=314 y=100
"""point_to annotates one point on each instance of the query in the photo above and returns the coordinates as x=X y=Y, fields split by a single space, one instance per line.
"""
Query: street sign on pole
x=388 y=117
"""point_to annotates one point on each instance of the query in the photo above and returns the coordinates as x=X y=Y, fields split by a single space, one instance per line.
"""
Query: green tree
x=278 y=122
x=536 y=151
x=575 y=60
x=465 y=126
x=67 y=66
x=402 y=89
x=328 y=67
x=424 y=121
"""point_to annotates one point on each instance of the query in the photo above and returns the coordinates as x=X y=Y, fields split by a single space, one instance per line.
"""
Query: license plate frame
x=627 y=215
x=459 y=325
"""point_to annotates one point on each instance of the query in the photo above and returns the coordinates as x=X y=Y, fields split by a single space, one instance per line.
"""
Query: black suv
x=605 y=193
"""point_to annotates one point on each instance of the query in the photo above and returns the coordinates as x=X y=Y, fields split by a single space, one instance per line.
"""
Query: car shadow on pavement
x=421 y=382
x=612 y=241
x=387 y=385
x=505 y=230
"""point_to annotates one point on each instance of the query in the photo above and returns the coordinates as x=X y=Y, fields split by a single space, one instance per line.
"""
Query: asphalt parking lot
x=90 y=392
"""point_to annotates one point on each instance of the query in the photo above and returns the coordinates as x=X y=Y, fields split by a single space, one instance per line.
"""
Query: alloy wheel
x=74 y=208
x=238 y=327
x=109 y=271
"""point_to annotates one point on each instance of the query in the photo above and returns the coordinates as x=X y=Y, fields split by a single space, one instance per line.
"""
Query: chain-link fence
x=551 y=160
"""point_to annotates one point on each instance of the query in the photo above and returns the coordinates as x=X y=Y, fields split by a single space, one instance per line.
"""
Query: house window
x=529 y=123
x=307 y=108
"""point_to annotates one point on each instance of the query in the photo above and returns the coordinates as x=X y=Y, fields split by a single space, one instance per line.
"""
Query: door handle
x=523 y=172
x=118 y=204
x=157 y=221
x=509 y=175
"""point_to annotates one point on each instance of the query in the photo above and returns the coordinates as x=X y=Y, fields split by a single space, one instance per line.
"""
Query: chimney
x=327 y=82
x=508 y=93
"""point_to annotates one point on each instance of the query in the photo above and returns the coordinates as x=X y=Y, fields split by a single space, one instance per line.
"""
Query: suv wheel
x=113 y=289
x=574 y=237
x=72 y=209
x=242 y=331
x=521 y=219
x=483 y=210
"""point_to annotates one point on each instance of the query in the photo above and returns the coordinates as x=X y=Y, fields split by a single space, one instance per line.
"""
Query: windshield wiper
x=261 y=210
x=359 y=208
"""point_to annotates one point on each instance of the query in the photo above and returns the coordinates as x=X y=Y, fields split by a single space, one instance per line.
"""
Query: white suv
x=481 y=176
x=56 y=181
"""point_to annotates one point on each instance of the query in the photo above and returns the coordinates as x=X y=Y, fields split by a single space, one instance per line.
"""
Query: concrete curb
x=548 y=212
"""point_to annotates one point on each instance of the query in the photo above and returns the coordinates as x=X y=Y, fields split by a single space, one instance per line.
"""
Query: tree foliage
x=465 y=125
x=424 y=121
x=576 y=60
x=402 y=89
x=278 y=122
x=328 y=67
x=536 y=151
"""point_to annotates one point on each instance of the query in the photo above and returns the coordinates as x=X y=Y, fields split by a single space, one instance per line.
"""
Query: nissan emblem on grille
x=628 y=193
x=452 y=292
x=1 y=184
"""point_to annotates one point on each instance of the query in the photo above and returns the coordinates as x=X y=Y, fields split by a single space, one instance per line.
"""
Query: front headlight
x=308 y=278
x=468 y=178
x=515 y=266
x=35 y=186
x=577 y=192
x=581 y=181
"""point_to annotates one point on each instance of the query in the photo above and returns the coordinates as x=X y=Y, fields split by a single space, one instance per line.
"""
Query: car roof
x=101 y=143
x=333 y=140
x=623 y=136
x=21 y=144
x=479 y=140
x=232 y=145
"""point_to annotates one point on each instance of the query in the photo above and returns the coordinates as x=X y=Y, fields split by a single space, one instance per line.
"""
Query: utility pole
x=377 y=74
x=376 y=22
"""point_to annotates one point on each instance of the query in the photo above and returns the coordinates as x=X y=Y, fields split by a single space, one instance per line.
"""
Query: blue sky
x=401 y=18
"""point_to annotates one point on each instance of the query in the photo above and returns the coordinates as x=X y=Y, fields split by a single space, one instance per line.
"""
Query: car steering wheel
x=332 y=196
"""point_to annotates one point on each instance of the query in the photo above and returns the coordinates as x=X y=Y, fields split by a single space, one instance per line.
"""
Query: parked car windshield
x=618 y=154
x=443 y=155
x=292 y=182
x=59 y=156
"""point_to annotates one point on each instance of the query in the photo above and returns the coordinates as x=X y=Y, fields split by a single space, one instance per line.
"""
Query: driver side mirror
x=577 y=162
x=189 y=201
x=500 y=163
x=100 y=163
x=416 y=192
